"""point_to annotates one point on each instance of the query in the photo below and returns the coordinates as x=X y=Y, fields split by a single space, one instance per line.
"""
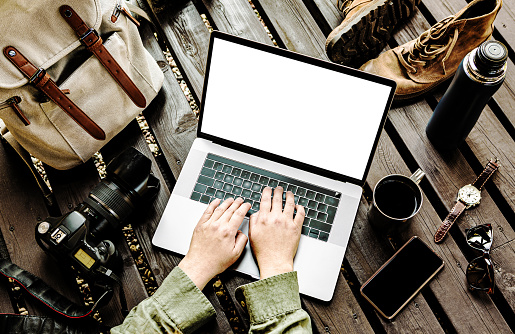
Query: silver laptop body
x=273 y=117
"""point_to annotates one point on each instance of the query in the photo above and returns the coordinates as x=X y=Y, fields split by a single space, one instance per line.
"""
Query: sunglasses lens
x=480 y=237
x=480 y=275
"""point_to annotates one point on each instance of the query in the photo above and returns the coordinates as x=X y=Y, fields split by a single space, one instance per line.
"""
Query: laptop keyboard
x=224 y=178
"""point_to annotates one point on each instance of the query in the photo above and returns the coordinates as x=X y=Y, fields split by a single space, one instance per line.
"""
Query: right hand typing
x=274 y=233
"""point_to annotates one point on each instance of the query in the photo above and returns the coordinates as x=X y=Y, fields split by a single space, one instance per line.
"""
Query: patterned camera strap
x=53 y=299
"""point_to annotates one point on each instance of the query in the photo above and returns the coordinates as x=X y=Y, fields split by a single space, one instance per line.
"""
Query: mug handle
x=417 y=176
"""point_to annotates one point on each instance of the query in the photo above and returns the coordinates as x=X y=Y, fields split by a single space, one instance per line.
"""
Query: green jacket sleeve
x=273 y=305
x=177 y=306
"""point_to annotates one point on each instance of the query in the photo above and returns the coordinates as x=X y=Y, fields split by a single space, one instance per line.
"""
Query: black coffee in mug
x=396 y=199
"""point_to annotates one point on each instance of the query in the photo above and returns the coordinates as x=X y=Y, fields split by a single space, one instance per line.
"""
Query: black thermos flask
x=478 y=77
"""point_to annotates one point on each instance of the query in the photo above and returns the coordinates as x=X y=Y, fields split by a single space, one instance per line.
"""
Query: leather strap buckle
x=89 y=42
x=42 y=81
x=93 y=42
x=37 y=76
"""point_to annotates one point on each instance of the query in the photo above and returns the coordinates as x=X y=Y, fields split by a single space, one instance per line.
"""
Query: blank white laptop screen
x=292 y=109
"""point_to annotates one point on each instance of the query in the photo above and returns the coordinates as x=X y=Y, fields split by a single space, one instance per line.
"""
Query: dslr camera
x=80 y=238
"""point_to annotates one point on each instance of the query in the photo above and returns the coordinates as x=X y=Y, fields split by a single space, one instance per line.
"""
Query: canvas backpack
x=73 y=73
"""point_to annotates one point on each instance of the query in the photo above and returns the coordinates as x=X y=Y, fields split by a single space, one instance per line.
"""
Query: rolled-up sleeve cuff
x=270 y=297
x=184 y=302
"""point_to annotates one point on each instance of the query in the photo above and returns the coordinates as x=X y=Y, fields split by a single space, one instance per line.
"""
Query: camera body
x=68 y=240
x=80 y=238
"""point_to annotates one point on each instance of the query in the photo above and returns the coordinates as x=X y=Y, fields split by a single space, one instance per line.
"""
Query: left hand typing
x=216 y=242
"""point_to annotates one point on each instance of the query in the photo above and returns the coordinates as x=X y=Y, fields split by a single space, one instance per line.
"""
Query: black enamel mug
x=396 y=199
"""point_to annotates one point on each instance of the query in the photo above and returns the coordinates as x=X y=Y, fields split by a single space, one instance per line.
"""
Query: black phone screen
x=401 y=277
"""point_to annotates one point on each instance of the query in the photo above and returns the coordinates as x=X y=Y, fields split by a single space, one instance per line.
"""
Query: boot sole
x=356 y=42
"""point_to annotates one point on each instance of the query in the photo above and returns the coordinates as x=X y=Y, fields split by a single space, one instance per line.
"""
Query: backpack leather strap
x=41 y=80
x=93 y=42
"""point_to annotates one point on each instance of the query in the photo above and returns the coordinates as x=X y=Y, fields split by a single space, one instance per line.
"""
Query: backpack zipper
x=119 y=9
x=13 y=103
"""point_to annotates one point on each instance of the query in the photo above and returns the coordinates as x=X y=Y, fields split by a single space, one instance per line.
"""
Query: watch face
x=470 y=195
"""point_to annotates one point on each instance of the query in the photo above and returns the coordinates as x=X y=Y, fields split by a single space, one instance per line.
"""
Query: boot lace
x=431 y=44
x=345 y=6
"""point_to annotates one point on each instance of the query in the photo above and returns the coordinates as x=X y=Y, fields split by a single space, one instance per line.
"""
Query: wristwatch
x=468 y=197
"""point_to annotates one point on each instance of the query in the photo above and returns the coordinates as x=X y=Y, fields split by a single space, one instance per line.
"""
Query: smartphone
x=401 y=277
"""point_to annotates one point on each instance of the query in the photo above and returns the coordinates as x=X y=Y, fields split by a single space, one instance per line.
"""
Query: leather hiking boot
x=422 y=64
x=365 y=29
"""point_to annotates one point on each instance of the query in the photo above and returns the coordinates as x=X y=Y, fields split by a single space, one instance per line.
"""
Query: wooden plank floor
x=183 y=28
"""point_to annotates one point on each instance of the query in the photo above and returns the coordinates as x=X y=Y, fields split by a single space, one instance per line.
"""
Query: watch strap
x=93 y=42
x=42 y=81
x=455 y=212
x=490 y=168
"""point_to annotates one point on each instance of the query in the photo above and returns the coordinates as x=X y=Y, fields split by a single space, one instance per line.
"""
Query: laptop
x=272 y=117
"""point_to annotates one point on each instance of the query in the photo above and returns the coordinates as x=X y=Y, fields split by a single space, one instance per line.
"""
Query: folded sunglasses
x=480 y=271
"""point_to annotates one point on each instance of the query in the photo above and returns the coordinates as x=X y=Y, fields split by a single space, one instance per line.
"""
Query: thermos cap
x=491 y=54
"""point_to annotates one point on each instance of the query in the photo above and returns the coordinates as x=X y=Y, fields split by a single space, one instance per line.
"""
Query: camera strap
x=47 y=295
x=110 y=275
x=37 y=324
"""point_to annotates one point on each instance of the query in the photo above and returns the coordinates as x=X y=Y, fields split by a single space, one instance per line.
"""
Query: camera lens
x=109 y=197
x=128 y=185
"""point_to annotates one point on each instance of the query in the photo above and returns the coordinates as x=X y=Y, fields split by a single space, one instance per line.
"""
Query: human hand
x=216 y=242
x=274 y=233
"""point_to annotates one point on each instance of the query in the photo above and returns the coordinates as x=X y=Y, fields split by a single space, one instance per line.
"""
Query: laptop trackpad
x=177 y=224
x=176 y=228
x=317 y=264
